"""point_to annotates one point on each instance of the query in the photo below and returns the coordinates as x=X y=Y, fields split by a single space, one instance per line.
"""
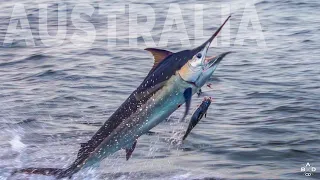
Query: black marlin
x=174 y=78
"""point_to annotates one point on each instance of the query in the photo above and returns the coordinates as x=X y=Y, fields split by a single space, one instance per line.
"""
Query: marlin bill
x=171 y=82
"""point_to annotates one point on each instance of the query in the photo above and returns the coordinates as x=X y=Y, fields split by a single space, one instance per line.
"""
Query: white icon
x=308 y=169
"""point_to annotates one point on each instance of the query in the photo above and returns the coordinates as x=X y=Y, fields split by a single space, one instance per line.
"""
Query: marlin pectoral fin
x=130 y=150
x=146 y=93
x=158 y=55
x=187 y=97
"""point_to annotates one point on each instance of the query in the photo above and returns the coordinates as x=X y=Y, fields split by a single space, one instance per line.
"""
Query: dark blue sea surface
x=263 y=122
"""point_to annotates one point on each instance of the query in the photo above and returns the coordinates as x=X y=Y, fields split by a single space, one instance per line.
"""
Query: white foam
x=16 y=143
x=181 y=176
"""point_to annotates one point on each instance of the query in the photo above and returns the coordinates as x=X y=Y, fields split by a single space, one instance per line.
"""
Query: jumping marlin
x=198 y=114
x=174 y=78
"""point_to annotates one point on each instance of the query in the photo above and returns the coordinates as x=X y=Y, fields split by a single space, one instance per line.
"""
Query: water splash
x=16 y=143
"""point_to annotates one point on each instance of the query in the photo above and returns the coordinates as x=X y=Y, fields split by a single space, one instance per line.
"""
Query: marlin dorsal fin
x=158 y=55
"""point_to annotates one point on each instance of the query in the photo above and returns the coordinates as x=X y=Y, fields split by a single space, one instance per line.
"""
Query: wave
x=31 y=58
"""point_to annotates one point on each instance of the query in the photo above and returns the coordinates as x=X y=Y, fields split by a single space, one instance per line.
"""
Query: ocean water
x=263 y=122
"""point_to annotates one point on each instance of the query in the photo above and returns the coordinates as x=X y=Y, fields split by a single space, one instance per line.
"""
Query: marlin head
x=198 y=69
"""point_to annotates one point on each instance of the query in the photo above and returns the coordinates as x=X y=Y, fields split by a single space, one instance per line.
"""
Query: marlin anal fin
x=130 y=150
x=159 y=55
x=146 y=93
x=187 y=97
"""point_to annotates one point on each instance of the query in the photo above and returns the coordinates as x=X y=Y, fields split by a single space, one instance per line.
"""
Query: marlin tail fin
x=58 y=173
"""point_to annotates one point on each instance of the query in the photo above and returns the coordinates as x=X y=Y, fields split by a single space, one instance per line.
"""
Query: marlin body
x=172 y=81
x=161 y=105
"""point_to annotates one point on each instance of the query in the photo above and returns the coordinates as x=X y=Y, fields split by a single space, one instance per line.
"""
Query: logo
x=308 y=170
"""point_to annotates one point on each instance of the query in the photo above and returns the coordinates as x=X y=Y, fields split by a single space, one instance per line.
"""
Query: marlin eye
x=199 y=55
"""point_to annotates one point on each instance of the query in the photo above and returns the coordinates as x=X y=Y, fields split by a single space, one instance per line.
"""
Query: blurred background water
x=262 y=124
